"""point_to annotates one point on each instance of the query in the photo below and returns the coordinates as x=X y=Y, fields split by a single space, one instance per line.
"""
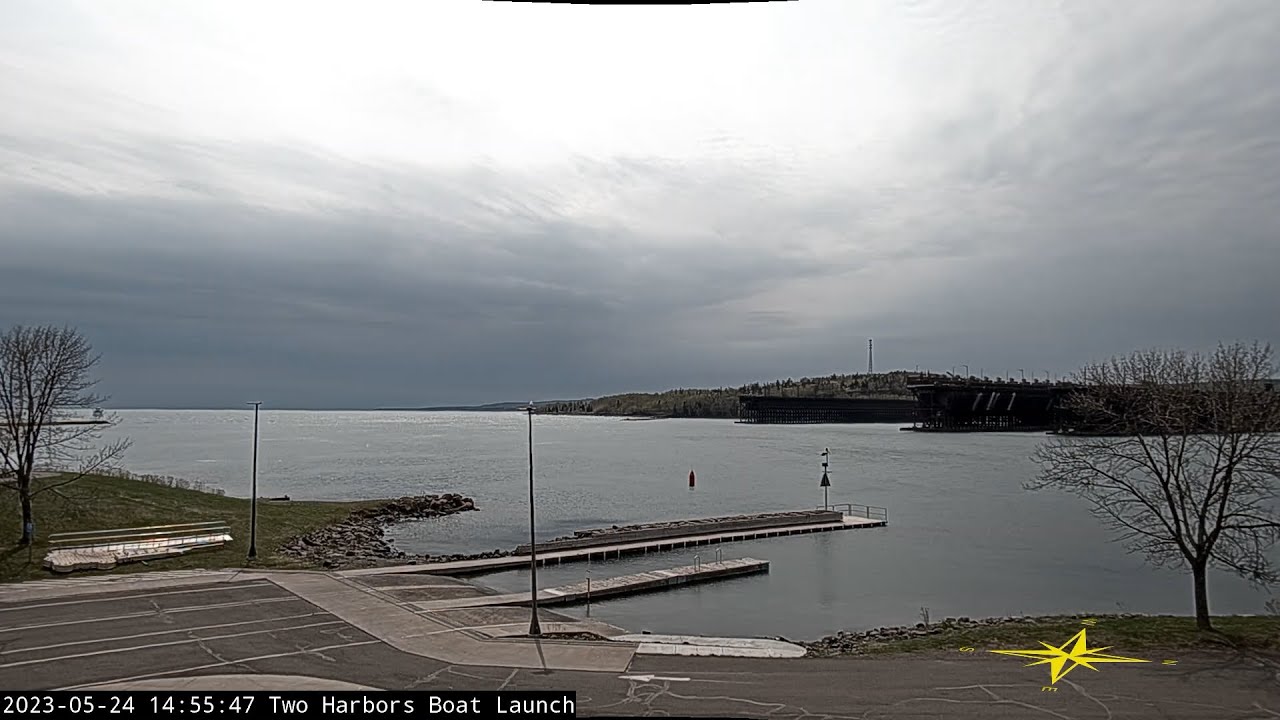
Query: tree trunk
x=28 y=525
x=1198 y=572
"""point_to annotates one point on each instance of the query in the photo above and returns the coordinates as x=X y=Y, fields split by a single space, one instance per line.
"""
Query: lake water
x=964 y=537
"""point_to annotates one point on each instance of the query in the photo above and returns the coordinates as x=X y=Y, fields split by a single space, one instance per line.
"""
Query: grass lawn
x=102 y=503
x=1126 y=635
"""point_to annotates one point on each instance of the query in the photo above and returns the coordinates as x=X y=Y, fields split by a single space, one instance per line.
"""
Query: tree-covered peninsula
x=723 y=402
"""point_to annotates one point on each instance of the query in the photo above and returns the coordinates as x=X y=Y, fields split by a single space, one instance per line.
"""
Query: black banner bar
x=515 y=705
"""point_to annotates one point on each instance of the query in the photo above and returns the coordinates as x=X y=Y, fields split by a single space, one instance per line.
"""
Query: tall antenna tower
x=871 y=365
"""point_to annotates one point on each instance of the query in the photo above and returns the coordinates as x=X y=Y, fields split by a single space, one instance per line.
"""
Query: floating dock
x=611 y=587
x=604 y=547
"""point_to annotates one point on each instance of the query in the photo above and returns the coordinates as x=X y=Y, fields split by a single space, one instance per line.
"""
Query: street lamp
x=826 y=481
x=1023 y=373
x=1047 y=378
x=253 y=493
x=966 y=370
x=534 y=629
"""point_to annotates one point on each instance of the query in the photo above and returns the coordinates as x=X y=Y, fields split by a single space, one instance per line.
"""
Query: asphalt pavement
x=255 y=628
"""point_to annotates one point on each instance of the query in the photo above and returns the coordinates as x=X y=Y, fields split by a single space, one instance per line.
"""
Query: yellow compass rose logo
x=1062 y=660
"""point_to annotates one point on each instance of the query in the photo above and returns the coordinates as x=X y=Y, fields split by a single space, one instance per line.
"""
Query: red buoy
x=692 y=479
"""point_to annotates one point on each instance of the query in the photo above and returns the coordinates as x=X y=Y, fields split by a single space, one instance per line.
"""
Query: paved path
x=261 y=634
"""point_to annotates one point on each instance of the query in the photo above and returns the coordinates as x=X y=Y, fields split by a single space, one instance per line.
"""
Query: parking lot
x=255 y=628
x=133 y=635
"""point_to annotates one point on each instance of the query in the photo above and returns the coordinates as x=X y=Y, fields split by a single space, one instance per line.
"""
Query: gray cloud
x=1123 y=198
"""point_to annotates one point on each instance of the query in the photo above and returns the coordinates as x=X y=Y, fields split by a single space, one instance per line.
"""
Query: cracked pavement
x=257 y=628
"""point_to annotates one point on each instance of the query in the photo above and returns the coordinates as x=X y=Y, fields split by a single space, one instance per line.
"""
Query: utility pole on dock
x=826 y=481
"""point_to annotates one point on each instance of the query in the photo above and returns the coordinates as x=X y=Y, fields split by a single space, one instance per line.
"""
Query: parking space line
x=224 y=663
x=167 y=644
x=161 y=632
x=150 y=613
x=117 y=598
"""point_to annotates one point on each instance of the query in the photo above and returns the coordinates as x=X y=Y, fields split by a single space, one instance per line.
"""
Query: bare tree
x=1181 y=456
x=44 y=378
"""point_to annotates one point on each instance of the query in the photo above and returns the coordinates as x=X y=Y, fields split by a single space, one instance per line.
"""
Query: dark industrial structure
x=772 y=409
x=959 y=405
x=974 y=405
x=941 y=404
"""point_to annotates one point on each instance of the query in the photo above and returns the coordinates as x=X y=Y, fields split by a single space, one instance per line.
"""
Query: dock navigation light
x=825 y=484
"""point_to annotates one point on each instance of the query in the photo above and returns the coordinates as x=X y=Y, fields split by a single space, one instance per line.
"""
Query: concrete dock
x=482 y=565
x=610 y=587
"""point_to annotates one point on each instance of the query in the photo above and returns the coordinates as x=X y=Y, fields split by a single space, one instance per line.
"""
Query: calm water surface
x=964 y=537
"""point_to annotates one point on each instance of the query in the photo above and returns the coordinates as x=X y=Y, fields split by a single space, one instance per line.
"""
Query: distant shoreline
x=706 y=403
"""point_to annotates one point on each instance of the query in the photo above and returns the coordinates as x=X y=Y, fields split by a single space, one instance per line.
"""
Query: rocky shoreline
x=359 y=540
x=854 y=643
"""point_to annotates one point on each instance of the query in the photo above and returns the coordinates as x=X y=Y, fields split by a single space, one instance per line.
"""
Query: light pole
x=253 y=492
x=826 y=481
x=1023 y=373
x=1047 y=378
x=535 y=630
x=966 y=370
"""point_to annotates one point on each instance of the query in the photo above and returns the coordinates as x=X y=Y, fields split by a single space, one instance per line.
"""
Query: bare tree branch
x=45 y=377
x=1184 y=462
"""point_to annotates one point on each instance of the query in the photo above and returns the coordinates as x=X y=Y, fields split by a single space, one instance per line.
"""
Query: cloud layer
x=356 y=217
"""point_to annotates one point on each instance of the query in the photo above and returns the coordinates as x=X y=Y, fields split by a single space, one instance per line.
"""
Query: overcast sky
x=379 y=203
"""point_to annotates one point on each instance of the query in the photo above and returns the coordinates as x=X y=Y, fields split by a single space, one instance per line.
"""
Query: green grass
x=102 y=502
x=1125 y=634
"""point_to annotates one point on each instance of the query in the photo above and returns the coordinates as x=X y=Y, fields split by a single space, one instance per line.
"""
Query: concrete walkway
x=419 y=634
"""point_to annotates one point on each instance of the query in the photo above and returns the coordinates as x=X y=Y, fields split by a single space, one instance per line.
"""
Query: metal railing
x=871 y=512
x=155 y=536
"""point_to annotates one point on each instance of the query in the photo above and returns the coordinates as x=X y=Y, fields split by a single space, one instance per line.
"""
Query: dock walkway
x=460 y=567
x=608 y=587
